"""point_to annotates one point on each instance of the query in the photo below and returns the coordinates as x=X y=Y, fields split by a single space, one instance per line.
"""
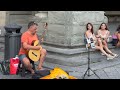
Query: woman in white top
x=97 y=41
x=104 y=34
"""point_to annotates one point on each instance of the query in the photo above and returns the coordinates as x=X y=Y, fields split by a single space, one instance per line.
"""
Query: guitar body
x=34 y=55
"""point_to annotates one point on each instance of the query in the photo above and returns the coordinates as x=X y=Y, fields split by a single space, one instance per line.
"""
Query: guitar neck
x=42 y=36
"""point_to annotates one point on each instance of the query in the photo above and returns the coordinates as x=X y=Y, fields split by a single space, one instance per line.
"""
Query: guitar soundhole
x=34 y=54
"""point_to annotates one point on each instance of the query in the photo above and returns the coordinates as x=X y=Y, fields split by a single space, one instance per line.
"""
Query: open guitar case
x=40 y=73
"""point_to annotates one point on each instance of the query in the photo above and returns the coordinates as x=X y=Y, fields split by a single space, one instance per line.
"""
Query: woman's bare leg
x=108 y=50
x=100 y=47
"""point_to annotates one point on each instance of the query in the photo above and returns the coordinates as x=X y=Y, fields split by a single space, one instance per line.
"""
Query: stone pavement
x=103 y=68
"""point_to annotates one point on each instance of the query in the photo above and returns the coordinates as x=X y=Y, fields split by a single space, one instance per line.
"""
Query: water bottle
x=92 y=43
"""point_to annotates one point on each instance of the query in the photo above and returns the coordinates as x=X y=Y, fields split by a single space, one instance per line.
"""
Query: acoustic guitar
x=34 y=55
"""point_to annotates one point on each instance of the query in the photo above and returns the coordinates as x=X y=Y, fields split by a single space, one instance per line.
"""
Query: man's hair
x=32 y=23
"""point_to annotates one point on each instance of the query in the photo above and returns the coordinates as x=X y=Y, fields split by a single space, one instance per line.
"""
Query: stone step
x=78 y=60
x=68 y=51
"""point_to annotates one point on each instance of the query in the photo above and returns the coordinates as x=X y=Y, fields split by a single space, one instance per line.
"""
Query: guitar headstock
x=45 y=25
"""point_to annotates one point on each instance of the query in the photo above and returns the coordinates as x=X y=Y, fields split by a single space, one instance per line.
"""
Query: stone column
x=64 y=38
x=3 y=17
x=3 y=20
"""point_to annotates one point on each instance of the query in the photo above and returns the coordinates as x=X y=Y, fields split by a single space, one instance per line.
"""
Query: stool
x=22 y=70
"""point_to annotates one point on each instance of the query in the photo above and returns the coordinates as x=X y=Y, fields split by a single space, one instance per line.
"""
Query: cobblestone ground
x=104 y=69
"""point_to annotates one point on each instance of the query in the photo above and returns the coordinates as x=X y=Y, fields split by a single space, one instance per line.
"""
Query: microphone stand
x=88 y=69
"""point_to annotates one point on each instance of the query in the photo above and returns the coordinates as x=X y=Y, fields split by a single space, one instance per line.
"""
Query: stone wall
x=4 y=17
x=66 y=28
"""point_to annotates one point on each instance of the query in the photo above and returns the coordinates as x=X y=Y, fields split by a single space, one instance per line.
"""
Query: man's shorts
x=22 y=56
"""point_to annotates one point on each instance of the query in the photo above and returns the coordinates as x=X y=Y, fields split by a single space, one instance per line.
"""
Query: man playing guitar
x=26 y=40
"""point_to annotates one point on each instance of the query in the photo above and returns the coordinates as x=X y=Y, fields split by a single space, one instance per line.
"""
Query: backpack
x=114 y=40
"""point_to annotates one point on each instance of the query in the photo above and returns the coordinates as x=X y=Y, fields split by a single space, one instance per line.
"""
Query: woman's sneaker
x=115 y=55
x=110 y=57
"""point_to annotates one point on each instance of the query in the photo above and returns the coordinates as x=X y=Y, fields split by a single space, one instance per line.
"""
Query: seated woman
x=118 y=36
x=115 y=37
x=98 y=43
x=104 y=33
